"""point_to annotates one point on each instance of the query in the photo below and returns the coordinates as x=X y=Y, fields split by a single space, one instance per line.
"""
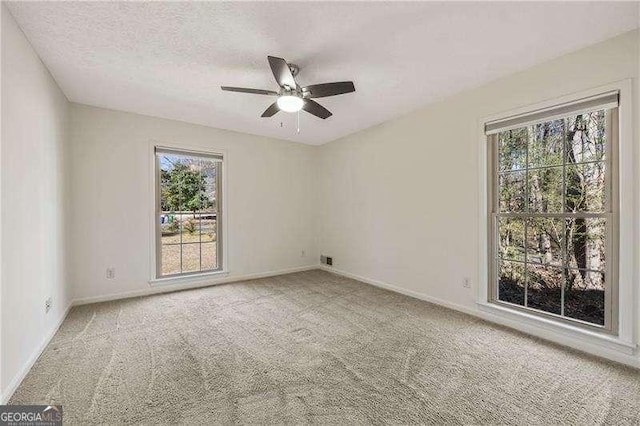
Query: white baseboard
x=7 y=393
x=401 y=290
x=167 y=288
x=627 y=358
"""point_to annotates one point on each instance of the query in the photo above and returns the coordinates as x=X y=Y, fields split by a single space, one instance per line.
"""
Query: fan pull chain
x=298 y=121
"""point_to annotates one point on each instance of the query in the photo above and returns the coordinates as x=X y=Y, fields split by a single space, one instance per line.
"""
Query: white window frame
x=156 y=279
x=624 y=338
x=611 y=230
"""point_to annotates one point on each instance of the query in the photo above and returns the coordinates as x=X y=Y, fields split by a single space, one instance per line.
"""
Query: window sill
x=547 y=326
x=188 y=279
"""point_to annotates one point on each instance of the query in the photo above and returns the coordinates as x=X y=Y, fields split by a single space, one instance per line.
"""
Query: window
x=188 y=212
x=553 y=203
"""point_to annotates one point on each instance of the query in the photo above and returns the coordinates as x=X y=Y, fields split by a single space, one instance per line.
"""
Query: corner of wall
x=35 y=129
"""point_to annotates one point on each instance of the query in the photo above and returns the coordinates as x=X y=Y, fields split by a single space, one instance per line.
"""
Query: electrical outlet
x=329 y=261
x=111 y=273
x=47 y=305
x=466 y=283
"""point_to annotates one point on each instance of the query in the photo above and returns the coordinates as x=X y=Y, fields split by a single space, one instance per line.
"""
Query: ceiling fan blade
x=271 y=111
x=253 y=91
x=281 y=72
x=329 y=89
x=312 y=107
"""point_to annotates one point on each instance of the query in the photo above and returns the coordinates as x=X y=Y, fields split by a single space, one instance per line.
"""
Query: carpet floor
x=313 y=347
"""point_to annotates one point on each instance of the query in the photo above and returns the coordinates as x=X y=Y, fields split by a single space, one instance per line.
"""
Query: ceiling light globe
x=290 y=103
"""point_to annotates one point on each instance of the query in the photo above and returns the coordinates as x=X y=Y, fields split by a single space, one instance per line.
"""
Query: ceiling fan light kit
x=292 y=97
x=290 y=103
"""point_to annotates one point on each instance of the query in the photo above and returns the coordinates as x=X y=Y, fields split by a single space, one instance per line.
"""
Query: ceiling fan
x=292 y=97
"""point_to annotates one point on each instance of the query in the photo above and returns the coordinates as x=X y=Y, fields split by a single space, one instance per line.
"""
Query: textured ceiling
x=168 y=59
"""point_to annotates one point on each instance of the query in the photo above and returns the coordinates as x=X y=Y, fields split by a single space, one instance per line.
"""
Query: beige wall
x=400 y=202
x=269 y=199
x=34 y=133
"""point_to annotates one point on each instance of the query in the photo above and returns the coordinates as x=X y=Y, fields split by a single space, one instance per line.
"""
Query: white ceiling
x=169 y=59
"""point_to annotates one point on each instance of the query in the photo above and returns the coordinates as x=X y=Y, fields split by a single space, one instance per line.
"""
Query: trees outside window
x=552 y=217
x=187 y=210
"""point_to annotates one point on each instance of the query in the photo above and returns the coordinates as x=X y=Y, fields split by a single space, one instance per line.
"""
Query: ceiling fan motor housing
x=291 y=91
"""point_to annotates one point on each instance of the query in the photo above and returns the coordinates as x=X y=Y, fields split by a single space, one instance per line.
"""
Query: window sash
x=187 y=153
x=218 y=159
x=605 y=101
x=610 y=215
